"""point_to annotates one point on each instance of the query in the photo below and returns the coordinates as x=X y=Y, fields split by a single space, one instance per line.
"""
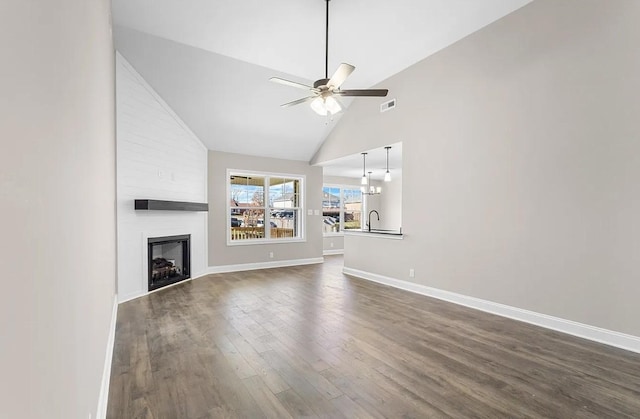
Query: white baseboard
x=597 y=334
x=143 y=293
x=228 y=268
x=262 y=265
x=101 y=412
x=333 y=252
x=132 y=296
x=199 y=274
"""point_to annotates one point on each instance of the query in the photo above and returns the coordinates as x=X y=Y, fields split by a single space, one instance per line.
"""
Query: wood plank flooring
x=311 y=342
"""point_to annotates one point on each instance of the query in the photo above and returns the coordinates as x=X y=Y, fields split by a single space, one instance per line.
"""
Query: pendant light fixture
x=364 y=169
x=367 y=188
x=370 y=189
x=387 y=175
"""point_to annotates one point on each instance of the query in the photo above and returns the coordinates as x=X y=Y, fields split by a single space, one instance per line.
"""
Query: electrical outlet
x=331 y=244
x=271 y=255
x=412 y=273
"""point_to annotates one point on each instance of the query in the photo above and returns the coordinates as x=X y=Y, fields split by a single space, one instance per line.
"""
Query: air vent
x=390 y=104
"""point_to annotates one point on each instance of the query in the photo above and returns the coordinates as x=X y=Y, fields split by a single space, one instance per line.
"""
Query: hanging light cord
x=387 y=158
x=326 y=45
x=387 y=175
x=364 y=164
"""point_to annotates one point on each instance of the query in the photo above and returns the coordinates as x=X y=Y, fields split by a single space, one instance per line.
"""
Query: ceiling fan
x=324 y=91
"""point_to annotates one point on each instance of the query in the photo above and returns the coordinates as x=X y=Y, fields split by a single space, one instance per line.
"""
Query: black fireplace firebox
x=169 y=260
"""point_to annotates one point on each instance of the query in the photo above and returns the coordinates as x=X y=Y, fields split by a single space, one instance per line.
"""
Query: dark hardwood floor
x=311 y=342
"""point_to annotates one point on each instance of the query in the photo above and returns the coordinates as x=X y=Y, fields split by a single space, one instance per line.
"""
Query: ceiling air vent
x=390 y=104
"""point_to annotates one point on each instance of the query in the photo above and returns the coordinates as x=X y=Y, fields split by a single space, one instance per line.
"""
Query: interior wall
x=391 y=203
x=521 y=142
x=57 y=200
x=222 y=255
x=158 y=158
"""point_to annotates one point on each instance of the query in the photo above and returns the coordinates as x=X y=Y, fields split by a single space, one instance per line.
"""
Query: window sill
x=254 y=242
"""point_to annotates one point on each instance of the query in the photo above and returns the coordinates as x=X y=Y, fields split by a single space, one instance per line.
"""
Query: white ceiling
x=211 y=59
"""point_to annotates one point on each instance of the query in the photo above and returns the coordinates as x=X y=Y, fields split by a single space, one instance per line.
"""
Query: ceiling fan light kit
x=367 y=188
x=323 y=106
x=323 y=90
x=371 y=190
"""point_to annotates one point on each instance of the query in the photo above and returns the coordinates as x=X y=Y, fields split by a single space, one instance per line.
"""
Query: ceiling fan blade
x=292 y=83
x=340 y=75
x=297 y=102
x=363 y=92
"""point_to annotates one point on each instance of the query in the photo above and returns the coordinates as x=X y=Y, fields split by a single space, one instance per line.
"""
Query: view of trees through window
x=254 y=218
x=341 y=208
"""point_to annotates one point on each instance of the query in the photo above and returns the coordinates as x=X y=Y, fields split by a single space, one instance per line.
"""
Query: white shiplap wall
x=158 y=157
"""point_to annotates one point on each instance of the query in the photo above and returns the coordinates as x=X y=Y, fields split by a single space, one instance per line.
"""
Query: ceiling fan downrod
x=326 y=44
x=325 y=92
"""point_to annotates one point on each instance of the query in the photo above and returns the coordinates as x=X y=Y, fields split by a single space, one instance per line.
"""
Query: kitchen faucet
x=369 y=223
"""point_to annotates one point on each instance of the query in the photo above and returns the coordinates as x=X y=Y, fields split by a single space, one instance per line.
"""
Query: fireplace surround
x=169 y=260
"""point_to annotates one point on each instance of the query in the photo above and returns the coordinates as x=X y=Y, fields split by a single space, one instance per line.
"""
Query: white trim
x=597 y=334
x=132 y=296
x=301 y=208
x=333 y=252
x=103 y=398
x=157 y=97
x=262 y=265
x=143 y=293
x=199 y=275
x=341 y=210
x=253 y=242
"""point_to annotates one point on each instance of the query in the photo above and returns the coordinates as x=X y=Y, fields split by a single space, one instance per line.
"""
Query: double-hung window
x=264 y=207
x=342 y=208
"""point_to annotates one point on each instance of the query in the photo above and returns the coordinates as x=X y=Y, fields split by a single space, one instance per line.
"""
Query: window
x=264 y=207
x=342 y=208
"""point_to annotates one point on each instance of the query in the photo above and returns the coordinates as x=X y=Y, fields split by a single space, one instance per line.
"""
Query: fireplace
x=169 y=260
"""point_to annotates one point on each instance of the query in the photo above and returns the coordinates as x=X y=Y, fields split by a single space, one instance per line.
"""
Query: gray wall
x=219 y=253
x=520 y=156
x=57 y=200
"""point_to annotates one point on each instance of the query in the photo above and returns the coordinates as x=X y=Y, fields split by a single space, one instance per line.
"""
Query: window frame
x=342 y=187
x=301 y=222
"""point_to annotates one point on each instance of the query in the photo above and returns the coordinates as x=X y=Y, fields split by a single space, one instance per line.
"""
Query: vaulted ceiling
x=211 y=60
